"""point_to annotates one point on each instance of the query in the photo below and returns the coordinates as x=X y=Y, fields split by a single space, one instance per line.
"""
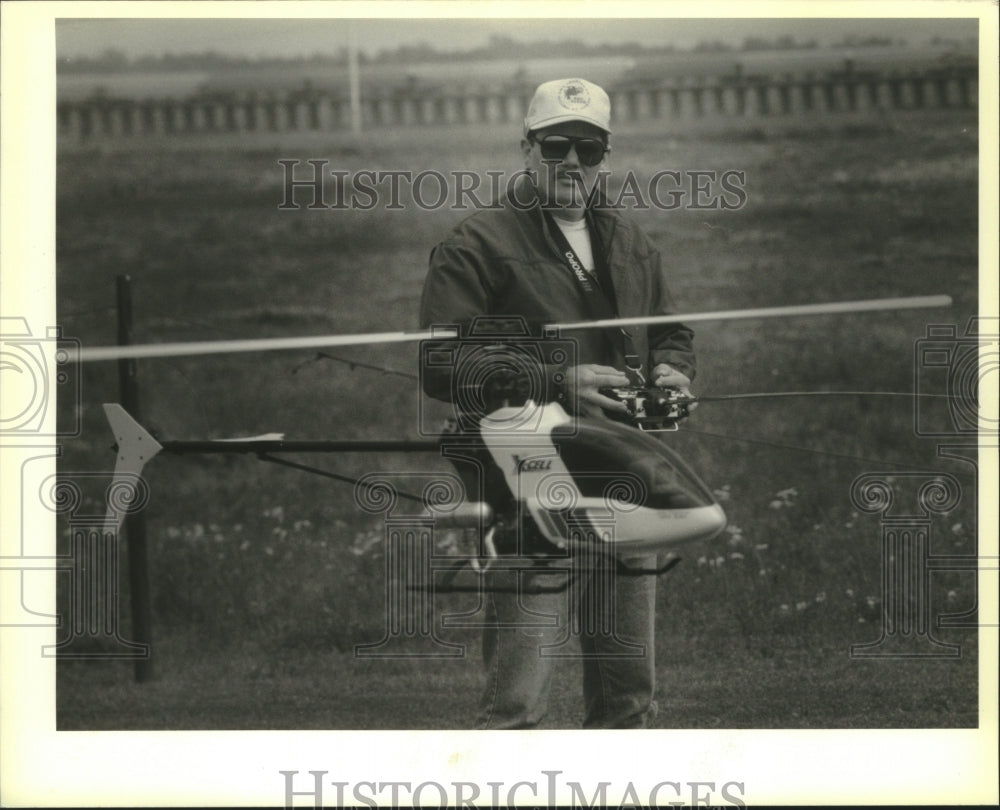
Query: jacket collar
x=523 y=197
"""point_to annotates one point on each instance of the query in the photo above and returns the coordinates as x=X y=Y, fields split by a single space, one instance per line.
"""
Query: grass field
x=264 y=579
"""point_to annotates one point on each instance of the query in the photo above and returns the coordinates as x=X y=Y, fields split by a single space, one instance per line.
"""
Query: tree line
x=499 y=46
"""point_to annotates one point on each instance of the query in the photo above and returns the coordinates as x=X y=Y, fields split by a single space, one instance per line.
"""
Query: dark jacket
x=504 y=261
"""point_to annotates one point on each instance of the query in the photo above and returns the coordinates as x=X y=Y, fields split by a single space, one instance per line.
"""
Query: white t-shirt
x=578 y=236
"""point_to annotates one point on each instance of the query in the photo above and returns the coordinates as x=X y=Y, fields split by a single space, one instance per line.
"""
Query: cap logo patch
x=574 y=96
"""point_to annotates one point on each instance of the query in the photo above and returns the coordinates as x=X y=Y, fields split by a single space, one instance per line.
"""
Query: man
x=553 y=251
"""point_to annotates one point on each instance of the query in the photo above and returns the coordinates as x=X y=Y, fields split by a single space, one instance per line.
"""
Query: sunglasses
x=589 y=151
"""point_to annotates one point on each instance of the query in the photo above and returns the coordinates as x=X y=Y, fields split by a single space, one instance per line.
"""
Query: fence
x=689 y=99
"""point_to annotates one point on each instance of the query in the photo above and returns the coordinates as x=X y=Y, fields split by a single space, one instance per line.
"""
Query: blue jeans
x=602 y=617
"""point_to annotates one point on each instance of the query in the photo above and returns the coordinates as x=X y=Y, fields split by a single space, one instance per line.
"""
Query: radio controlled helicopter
x=589 y=487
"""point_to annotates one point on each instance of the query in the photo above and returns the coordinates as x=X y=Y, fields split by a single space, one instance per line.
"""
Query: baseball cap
x=564 y=100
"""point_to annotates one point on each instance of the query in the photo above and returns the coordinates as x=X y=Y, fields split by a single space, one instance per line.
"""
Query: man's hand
x=583 y=382
x=664 y=375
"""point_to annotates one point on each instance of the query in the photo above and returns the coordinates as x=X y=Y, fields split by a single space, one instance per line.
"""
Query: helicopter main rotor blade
x=96 y=353
x=834 y=308
x=256 y=345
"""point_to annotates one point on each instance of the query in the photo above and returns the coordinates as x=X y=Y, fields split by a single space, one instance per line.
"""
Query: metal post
x=354 y=78
x=135 y=524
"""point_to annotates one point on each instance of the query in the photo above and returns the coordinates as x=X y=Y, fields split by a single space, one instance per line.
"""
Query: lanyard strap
x=599 y=292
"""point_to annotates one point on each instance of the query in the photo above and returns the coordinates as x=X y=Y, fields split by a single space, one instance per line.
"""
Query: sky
x=303 y=37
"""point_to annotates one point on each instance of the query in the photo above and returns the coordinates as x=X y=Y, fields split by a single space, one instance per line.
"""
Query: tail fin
x=135 y=447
